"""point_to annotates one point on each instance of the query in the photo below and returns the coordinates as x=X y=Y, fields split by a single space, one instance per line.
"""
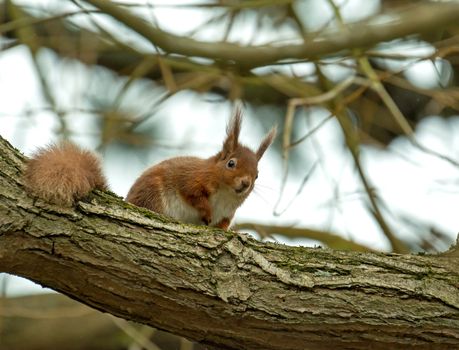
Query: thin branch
x=298 y=192
x=288 y=124
x=313 y=130
x=353 y=145
x=27 y=36
x=138 y=337
x=331 y=240
x=396 y=113
x=31 y=21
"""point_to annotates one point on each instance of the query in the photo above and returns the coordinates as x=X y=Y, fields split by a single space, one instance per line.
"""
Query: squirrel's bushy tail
x=63 y=173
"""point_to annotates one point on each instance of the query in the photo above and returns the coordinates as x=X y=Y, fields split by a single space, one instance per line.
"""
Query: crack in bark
x=247 y=255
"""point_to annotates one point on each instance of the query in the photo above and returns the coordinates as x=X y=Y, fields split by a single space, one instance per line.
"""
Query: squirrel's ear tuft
x=232 y=132
x=266 y=142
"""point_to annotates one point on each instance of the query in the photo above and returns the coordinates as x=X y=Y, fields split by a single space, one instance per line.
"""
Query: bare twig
x=137 y=336
x=288 y=124
x=331 y=240
x=396 y=113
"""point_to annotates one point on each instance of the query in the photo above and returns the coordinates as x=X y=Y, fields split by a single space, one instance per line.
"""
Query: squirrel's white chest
x=223 y=203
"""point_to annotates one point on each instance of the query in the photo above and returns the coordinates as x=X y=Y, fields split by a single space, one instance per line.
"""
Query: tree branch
x=331 y=240
x=92 y=48
x=453 y=251
x=223 y=288
x=420 y=19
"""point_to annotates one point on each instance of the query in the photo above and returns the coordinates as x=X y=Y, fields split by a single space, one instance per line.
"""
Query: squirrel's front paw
x=206 y=219
x=224 y=224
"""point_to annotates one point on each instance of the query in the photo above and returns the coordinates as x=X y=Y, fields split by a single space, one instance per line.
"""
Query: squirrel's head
x=238 y=164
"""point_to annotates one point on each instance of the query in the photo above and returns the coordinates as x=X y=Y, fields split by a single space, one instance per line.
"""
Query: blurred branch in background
x=329 y=239
x=65 y=323
x=424 y=19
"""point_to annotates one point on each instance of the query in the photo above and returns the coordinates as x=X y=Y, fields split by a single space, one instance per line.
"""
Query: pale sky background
x=424 y=187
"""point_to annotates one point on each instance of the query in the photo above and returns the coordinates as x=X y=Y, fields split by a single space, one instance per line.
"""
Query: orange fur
x=189 y=189
x=202 y=191
x=224 y=224
x=61 y=174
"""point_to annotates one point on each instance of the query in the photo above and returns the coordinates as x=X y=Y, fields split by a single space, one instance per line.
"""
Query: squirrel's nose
x=244 y=184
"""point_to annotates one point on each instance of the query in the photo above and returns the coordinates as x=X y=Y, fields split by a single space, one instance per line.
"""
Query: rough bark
x=223 y=288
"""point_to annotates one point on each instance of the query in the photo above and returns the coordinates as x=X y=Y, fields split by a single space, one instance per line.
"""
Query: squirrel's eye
x=256 y=177
x=231 y=164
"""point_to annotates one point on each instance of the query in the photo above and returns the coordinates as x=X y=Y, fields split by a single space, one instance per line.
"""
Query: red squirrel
x=188 y=189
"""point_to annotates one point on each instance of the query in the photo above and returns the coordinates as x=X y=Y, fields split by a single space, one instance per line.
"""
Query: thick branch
x=418 y=20
x=220 y=287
